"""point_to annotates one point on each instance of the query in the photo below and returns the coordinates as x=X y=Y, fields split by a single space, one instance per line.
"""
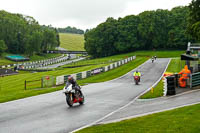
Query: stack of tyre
x=171 y=87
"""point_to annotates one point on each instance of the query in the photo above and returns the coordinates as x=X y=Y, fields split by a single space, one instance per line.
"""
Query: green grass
x=74 y=42
x=182 y=120
x=157 y=92
x=175 y=66
x=160 y=54
x=44 y=57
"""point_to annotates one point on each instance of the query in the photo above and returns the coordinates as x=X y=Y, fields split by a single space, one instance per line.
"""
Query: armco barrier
x=84 y=74
x=88 y=73
x=79 y=76
x=62 y=79
x=195 y=79
x=106 y=68
x=59 y=80
x=111 y=66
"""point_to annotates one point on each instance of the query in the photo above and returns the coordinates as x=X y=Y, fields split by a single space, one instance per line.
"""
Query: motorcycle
x=152 y=60
x=136 y=79
x=72 y=95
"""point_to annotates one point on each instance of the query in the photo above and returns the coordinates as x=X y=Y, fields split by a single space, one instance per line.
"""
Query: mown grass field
x=74 y=42
x=182 y=120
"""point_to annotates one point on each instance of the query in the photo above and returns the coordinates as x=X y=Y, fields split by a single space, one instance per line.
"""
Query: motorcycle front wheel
x=69 y=100
x=136 y=82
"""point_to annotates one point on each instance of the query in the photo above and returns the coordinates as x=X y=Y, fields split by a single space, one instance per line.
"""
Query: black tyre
x=82 y=96
x=69 y=100
x=171 y=92
x=136 y=82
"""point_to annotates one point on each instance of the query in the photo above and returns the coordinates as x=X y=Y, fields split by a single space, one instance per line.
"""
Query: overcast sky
x=84 y=14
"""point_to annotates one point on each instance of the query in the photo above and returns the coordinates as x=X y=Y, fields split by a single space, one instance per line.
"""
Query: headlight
x=64 y=90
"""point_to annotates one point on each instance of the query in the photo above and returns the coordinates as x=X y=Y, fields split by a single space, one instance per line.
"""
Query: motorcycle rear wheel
x=82 y=96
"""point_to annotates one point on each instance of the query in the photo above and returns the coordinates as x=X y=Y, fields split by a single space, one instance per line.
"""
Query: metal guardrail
x=65 y=52
x=195 y=79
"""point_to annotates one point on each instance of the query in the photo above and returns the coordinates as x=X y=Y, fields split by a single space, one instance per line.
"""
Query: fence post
x=41 y=82
x=25 y=85
x=190 y=81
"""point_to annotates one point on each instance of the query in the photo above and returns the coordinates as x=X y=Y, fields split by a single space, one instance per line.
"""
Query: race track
x=48 y=113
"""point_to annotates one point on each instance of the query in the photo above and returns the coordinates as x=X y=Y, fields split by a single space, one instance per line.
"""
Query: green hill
x=74 y=42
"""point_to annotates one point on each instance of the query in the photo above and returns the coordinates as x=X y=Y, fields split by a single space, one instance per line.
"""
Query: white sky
x=84 y=14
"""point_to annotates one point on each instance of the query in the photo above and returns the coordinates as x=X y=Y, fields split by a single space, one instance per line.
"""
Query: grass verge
x=182 y=120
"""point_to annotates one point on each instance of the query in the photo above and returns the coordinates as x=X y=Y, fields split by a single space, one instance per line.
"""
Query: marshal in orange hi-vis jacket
x=185 y=73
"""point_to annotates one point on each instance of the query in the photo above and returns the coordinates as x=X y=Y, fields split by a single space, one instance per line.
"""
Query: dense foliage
x=69 y=29
x=194 y=19
x=160 y=29
x=23 y=35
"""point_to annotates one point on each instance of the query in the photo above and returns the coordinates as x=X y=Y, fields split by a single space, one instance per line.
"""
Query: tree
x=69 y=29
x=177 y=37
x=127 y=34
x=99 y=42
x=3 y=47
x=160 y=29
x=194 y=19
x=23 y=35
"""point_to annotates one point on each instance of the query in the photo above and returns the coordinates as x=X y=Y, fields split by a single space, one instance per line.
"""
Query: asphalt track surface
x=142 y=107
x=48 y=113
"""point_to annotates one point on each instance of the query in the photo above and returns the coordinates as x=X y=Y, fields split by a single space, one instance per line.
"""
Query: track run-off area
x=49 y=113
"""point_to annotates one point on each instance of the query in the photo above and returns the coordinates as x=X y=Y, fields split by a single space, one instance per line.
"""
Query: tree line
x=150 y=30
x=22 y=34
x=69 y=29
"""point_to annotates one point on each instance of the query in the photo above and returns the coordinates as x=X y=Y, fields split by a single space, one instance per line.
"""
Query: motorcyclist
x=136 y=73
x=155 y=57
x=75 y=86
x=152 y=59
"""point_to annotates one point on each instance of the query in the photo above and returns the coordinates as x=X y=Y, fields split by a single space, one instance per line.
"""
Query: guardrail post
x=25 y=85
x=41 y=82
x=190 y=81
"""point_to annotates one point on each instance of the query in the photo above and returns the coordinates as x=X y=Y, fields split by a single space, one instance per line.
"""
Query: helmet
x=70 y=78
x=136 y=71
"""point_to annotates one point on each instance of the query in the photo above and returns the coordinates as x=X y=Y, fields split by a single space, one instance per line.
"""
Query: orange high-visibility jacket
x=185 y=72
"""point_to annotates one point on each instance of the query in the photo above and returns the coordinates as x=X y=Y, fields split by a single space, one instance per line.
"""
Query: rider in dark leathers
x=75 y=86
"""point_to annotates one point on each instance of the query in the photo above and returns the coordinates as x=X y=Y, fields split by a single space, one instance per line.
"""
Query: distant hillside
x=69 y=29
x=72 y=42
